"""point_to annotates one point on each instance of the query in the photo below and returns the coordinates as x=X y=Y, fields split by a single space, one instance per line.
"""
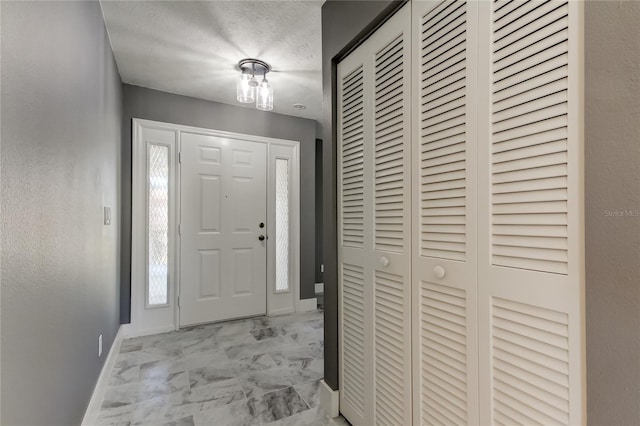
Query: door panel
x=390 y=54
x=223 y=200
x=354 y=246
x=374 y=140
x=444 y=217
x=211 y=199
x=531 y=256
x=210 y=279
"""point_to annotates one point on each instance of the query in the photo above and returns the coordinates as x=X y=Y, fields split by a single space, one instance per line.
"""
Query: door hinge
x=179 y=229
x=180 y=157
x=178 y=301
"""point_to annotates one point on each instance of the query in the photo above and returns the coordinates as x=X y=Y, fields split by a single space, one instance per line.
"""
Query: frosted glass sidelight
x=158 y=231
x=282 y=225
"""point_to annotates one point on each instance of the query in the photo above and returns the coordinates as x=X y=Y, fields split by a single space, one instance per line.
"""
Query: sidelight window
x=282 y=225
x=158 y=226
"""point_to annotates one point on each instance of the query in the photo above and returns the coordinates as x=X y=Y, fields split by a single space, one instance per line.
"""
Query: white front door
x=223 y=184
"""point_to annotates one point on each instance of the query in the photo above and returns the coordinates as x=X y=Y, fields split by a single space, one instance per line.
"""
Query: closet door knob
x=439 y=272
x=384 y=261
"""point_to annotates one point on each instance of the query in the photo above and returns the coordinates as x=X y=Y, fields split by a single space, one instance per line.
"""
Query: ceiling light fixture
x=249 y=90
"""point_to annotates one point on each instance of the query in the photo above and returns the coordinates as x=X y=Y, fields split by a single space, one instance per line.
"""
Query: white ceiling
x=192 y=48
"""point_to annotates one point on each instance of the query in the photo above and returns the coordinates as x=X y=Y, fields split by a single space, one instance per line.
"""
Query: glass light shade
x=264 y=101
x=246 y=93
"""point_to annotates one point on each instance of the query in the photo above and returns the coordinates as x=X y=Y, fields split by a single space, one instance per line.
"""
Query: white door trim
x=280 y=303
x=151 y=320
x=138 y=278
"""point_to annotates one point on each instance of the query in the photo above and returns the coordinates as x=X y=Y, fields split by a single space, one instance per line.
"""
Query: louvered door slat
x=518 y=46
x=449 y=43
x=516 y=153
x=534 y=100
x=432 y=81
x=447 y=150
x=531 y=79
x=390 y=94
x=525 y=20
x=504 y=10
x=447 y=63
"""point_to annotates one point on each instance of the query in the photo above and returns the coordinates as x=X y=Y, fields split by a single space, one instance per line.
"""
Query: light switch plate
x=107 y=215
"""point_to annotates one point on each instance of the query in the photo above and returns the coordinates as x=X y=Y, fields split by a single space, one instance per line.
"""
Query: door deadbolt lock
x=261 y=237
x=261 y=225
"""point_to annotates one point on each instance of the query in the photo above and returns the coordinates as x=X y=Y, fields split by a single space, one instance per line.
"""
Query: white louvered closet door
x=355 y=243
x=479 y=318
x=530 y=213
x=444 y=215
x=374 y=176
x=390 y=51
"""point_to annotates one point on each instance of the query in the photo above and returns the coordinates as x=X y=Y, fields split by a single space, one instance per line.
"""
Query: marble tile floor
x=257 y=371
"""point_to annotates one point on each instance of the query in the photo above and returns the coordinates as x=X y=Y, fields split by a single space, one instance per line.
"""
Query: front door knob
x=261 y=237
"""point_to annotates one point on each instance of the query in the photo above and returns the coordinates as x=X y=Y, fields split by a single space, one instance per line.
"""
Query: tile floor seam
x=303 y=398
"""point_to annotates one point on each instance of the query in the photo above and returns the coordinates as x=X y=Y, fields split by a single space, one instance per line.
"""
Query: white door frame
x=169 y=319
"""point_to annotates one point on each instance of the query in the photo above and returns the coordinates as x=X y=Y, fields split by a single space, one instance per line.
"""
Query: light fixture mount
x=254 y=66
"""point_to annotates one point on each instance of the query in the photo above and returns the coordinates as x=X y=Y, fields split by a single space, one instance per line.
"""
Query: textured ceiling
x=192 y=47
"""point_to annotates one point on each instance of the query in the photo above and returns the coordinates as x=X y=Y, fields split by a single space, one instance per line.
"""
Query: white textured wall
x=612 y=132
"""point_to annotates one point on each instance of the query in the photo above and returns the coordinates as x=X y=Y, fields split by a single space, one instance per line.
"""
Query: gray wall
x=342 y=21
x=61 y=118
x=151 y=104
x=613 y=185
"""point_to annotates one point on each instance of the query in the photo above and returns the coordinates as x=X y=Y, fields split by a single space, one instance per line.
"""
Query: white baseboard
x=93 y=409
x=283 y=311
x=319 y=288
x=128 y=331
x=306 y=305
x=329 y=400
